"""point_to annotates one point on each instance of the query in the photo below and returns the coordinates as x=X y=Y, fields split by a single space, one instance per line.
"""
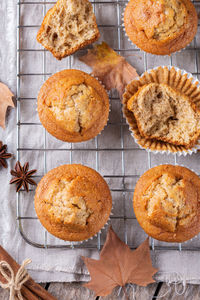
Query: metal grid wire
x=122 y=150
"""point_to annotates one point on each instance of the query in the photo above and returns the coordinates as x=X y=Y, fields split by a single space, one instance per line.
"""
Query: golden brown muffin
x=165 y=114
x=73 y=106
x=73 y=202
x=161 y=26
x=159 y=106
x=167 y=203
x=67 y=27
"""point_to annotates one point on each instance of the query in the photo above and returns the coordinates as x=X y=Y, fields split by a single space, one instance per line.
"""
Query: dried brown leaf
x=109 y=67
x=5 y=101
x=119 y=265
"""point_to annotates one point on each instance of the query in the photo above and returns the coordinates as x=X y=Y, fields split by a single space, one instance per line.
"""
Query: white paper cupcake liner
x=173 y=149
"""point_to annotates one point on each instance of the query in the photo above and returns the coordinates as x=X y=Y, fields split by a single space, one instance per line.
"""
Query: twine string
x=14 y=283
x=175 y=280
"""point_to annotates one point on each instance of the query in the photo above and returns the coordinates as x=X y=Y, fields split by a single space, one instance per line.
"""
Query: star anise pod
x=22 y=177
x=4 y=155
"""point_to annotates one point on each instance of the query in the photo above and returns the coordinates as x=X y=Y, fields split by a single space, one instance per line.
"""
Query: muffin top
x=73 y=106
x=159 y=19
x=166 y=203
x=165 y=114
x=77 y=106
x=73 y=202
x=66 y=199
x=160 y=26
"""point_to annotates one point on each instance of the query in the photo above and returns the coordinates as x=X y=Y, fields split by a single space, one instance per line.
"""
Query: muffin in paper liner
x=158 y=222
x=177 y=79
x=142 y=37
x=60 y=121
x=73 y=202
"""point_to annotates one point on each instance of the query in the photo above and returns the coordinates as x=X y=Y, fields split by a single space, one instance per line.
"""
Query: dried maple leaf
x=5 y=101
x=109 y=67
x=119 y=265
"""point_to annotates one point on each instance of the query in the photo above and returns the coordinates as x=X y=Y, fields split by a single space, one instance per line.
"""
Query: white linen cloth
x=66 y=265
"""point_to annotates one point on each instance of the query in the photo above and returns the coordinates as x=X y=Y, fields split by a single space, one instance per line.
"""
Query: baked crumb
x=164 y=114
x=69 y=25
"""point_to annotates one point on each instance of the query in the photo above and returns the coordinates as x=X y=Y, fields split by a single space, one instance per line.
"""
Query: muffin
x=73 y=202
x=73 y=106
x=162 y=108
x=164 y=114
x=160 y=26
x=67 y=27
x=167 y=203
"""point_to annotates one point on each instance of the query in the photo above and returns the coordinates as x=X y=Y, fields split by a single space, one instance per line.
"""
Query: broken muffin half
x=165 y=114
x=67 y=27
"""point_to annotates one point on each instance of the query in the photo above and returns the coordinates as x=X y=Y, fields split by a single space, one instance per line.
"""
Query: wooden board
x=75 y=291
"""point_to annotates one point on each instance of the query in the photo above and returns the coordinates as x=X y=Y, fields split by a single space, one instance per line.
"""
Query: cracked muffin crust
x=73 y=106
x=165 y=114
x=73 y=202
x=67 y=27
x=167 y=203
x=160 y=26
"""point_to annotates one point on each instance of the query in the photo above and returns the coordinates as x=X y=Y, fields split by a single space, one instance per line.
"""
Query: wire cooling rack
x=123 y=161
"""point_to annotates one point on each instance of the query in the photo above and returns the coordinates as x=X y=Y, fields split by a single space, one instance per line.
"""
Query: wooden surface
x=75 y=291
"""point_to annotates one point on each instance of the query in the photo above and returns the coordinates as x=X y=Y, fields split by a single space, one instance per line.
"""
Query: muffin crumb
x=68 y=26
x=164 y=114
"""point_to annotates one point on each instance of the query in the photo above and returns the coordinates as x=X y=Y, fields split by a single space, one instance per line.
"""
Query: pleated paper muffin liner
x=179 y=80
x=195 y=236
